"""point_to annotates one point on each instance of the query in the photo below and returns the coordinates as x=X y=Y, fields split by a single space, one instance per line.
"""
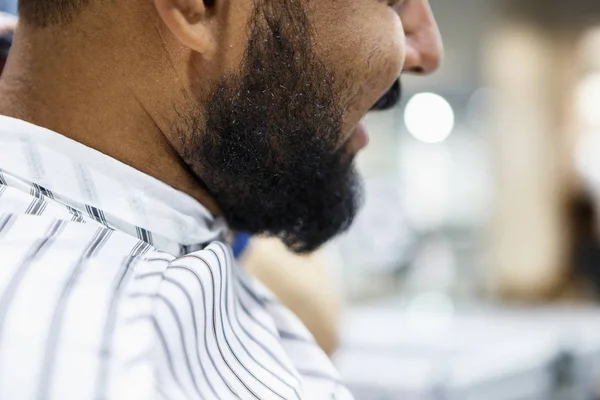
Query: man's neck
x=91 y=99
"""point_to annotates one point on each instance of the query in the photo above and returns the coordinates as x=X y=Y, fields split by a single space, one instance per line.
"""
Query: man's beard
x=269 y=148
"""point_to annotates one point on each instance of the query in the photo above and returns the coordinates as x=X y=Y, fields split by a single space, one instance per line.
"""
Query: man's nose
x=424 y=48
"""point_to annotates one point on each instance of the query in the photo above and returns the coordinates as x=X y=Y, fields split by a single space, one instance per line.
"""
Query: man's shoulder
x=60 y=285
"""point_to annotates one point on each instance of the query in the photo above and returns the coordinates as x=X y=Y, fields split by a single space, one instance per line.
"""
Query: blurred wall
x=532 y=63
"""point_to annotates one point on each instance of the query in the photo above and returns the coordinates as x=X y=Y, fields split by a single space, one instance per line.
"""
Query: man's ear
x=190 y=22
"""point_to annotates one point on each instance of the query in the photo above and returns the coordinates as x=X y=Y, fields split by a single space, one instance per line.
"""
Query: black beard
x=269 y=150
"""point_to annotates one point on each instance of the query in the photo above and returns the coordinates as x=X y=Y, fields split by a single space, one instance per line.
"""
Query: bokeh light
x=429 y=117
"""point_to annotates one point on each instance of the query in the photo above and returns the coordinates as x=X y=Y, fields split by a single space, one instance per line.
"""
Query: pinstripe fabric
x=115 y=286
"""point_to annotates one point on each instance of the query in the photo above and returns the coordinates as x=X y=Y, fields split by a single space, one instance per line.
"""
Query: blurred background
x=473 y=271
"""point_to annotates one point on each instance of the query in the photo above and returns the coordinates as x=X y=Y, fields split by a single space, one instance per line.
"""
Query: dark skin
x=86 y=80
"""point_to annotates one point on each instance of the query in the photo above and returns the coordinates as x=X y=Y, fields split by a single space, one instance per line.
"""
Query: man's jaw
x=358 y=140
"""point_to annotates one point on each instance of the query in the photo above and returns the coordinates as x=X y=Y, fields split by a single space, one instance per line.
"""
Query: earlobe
x=189 y=22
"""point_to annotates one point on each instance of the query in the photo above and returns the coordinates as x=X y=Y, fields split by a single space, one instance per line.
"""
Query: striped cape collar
x=105 y=189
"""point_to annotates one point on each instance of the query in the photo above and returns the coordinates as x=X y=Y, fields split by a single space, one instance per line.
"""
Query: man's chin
x=303 y=224
x=358 y=140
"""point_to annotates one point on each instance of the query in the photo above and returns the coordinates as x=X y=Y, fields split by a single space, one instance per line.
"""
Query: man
x=135 y=134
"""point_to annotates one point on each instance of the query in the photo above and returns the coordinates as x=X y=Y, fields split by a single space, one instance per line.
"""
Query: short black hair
x=43 y=13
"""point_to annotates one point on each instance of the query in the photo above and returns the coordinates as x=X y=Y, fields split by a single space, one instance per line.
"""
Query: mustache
x=391 y=98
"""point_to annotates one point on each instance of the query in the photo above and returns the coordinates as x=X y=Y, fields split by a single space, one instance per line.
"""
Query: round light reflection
x=429 y=117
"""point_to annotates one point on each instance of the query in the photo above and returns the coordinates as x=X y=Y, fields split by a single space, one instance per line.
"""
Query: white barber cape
x=114 y=285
